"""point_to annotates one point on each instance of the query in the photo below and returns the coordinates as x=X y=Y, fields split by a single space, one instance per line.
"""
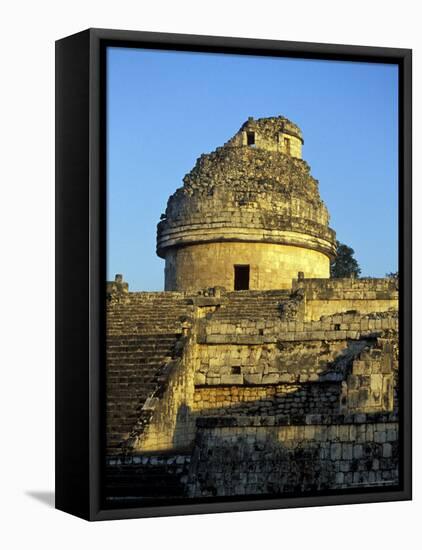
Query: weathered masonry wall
x=336 y=295
x=358 y=352
x=257 y=458
x=171 y=425
x=272 y=266
x=272 y=401
x=250 y=457
x=146 y=476
x=273 y=134
x=277 y=363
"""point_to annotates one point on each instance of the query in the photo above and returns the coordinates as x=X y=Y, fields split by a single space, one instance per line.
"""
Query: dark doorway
x=250 y=138
x=241 y=277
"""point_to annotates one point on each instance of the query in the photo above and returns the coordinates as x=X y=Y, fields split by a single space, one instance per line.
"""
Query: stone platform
x=260 y=392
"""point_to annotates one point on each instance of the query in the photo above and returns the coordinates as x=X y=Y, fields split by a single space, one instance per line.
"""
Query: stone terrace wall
x=328 y=296
x=358 y=351
x=275 y=402
x=132 y=478
x=292 y=406
x=253 y=459
x=305 y=344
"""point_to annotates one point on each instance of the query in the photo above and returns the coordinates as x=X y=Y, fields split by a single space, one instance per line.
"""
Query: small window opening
x=250 y=138
x=236 y=370
x=241 y=277
x=336 y=327
x=287 y=145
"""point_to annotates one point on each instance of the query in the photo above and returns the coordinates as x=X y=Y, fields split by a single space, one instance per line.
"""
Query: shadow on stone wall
x=228 y=462
x=229 y=459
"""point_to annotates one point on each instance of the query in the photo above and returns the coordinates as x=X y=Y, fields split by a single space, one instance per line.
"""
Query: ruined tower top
x=276 y=134
x=249 y=215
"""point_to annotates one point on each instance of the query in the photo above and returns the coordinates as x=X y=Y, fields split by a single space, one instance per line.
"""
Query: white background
x=28 y=32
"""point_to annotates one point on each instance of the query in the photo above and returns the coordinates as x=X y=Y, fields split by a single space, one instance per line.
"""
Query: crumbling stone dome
x=249 y=215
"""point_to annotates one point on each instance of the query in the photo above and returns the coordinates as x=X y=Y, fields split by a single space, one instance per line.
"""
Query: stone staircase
x=142 y=332
x=147 y=312
x=251 y=304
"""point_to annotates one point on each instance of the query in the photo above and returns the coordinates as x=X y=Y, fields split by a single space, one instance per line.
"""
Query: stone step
x=142 y=331
x=127 y=352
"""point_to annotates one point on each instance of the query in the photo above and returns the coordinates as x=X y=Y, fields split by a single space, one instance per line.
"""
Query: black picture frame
x=80 y=263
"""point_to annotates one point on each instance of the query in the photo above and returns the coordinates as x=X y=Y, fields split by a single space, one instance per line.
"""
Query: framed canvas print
x=233 y=274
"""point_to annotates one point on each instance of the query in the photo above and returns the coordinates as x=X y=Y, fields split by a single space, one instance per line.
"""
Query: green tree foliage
x=344 y=265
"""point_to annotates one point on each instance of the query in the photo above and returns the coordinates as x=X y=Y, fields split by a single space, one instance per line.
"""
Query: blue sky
x=164 y=109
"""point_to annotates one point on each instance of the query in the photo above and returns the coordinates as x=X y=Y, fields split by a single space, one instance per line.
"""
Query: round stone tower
x=249 y=215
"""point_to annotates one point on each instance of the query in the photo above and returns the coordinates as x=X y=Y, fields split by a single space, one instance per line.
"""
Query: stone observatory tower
x=248 y=217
